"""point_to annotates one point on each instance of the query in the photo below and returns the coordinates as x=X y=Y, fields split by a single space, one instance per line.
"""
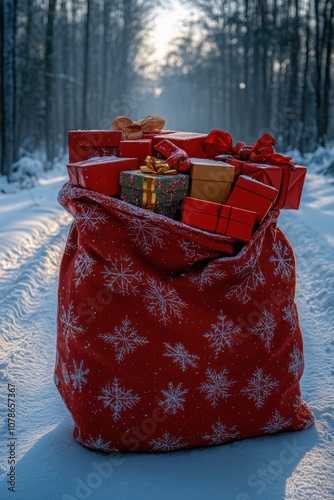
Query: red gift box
x=217 y=218
x=262 y=163
x=201 y=214
x=85 y=144
x=253 y=195
x=72 y=174
x=139 y=149
x=190 y=142
x=151 y=135
x=101 y=175
x=288 y=181
x=236 y=222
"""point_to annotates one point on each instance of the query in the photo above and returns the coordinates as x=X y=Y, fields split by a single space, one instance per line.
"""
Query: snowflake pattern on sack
x=191 y=250
x=145 y=234
x=207 y=277
x=65 y=375
x=283 y=260
x=217 y=386
x=173 y=398
x=167 y=443
x=70 y=324
x=296 y=365
x=276 y=424
x=163 y=301
x=78 y=376
x=290 y=315
x=127 y=363
x=124 y=339
x=220 y=433
x=259 y=387
x=265 y=328
x=250 y=277
x=83 y=267
x=297 y=402
x=180 y=356
x=90 y=218
x=99 y=444
x=71 y=246
x=120 y=277
x=224 y=334
x=118 y=398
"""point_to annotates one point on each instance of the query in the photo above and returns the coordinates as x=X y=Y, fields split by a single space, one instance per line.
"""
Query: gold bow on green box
x=152 y=169
x=156 y=167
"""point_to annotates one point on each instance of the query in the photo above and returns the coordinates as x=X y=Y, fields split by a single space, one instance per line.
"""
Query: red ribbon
x=219 y=142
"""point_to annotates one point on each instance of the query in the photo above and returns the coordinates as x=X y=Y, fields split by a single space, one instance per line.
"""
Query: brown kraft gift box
x=210 y=180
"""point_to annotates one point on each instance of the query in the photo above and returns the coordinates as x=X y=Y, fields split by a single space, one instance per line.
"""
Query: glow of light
x=168 y=23
x=242 y=85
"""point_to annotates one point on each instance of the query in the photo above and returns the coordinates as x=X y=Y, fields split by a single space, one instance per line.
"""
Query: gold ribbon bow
x=156 y=167
x=134 y=130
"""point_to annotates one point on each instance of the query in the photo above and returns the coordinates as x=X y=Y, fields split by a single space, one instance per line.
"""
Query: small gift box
x=236 y=222
x=217 y=218
x=100 y=174
x=201 y=214
x=210 y=180
x=253 y=195
x=260 y=162
x=161 y=191
x=135 y=149
x=289 y=181
x=85 y=144
x=190 y=142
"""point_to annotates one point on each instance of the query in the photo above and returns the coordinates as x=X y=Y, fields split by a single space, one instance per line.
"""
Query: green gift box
x=162 y=194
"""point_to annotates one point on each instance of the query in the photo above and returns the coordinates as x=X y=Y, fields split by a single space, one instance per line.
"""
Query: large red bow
x=219 y=142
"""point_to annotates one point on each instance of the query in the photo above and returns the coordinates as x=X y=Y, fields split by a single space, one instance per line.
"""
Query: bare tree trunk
x=329 y=36
x=85 y=110
x=49 y=119
x=8 y=91
x=304 y=132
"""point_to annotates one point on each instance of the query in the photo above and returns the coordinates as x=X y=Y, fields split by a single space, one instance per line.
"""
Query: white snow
x=51 y=465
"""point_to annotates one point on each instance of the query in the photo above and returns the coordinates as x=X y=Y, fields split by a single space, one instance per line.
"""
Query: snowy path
x=294 y=466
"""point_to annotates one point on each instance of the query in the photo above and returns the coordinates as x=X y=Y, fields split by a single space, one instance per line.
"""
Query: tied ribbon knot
x=219 y=142
x=156 y=167
x=135 y=130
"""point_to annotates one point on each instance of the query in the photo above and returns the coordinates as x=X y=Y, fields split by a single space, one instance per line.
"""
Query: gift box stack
x=202 y=180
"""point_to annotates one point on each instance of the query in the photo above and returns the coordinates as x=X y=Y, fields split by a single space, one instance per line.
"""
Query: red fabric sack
x=165 y=342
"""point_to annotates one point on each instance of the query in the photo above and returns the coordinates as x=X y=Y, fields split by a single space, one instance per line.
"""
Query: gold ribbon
x=156 y=167
x=135 y=130
x=153 y=168
x=149 y=194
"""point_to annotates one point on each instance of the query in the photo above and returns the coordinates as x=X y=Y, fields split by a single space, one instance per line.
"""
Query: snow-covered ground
x=51 y=465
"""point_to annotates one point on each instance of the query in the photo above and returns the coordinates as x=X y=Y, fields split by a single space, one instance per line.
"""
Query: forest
x=245 y=66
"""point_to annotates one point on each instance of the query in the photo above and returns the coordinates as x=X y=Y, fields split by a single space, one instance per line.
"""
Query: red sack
x=164 y=341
